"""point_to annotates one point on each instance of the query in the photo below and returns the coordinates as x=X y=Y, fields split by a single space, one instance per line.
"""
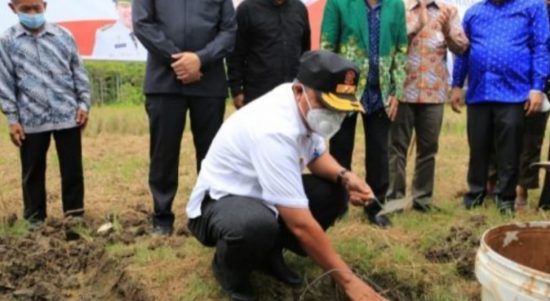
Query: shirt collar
x=493 y=3
x=20 y=30
x=275 y=5
x=302 y=128
x=378 y=5
x=415 y=3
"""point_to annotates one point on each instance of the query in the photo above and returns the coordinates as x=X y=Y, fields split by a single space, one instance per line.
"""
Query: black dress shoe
x=162 y=230
x=34 y=224
x=275 y=266
x=470 y=203
x=237 y=289
x=381 y=221
x=506 y=208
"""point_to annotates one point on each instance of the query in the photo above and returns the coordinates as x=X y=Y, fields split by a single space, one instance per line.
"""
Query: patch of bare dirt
x=460 y=247
x=62 y=260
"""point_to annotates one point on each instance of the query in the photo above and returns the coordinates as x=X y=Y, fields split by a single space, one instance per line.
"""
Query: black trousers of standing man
x=245 y=231
x=34 y=153
x=376 y=126
x=167 y=116
x=501 y=125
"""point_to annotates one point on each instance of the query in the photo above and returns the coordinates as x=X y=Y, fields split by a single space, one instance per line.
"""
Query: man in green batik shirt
x=372 y=34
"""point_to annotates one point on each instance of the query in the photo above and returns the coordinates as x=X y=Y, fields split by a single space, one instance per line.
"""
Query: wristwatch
x=340 y=176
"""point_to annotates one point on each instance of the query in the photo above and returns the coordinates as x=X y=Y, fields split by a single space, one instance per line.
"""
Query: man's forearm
x=325 y=167
x=317 y=246
x=460 y=70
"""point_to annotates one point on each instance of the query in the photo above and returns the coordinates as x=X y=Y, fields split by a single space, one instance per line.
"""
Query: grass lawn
x=423 y=257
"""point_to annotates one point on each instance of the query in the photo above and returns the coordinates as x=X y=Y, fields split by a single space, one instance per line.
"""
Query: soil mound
x=63 y=261
x=459 y=246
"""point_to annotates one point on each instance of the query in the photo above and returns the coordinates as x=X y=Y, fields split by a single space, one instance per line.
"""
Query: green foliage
x=117 y=118
x=147 y=254
x=116 y=82
x=199 y=289
x=17 y=228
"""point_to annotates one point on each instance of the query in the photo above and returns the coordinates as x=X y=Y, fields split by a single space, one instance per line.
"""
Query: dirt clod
x=478 y=220
x=460 y=247
x=183 y=231
x=58 y=263
x=11 y=220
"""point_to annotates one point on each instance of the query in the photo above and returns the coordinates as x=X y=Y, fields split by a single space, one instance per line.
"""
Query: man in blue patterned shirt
x=506 y=66
x=44 y=92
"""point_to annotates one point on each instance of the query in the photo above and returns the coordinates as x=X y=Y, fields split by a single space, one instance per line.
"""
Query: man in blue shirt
x=506 y=67
x=44 y=92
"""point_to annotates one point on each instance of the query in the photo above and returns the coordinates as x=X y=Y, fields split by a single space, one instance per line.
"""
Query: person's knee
x=252 y=231
x=247 y=242
x=260 y=232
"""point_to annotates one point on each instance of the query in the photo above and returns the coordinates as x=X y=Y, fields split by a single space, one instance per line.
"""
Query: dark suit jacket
x=166 y=27
x=270 y=40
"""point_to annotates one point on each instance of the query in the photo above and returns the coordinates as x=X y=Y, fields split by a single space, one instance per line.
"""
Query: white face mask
x=323 y=121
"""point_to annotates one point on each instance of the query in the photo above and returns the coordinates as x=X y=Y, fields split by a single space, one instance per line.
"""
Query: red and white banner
x=103 y=31
x=82 y=17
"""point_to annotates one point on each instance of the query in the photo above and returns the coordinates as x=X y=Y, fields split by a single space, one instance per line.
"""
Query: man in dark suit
x=271 y=37
x=186 y=41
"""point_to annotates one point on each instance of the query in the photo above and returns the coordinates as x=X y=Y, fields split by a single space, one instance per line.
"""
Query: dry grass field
x=423 y=257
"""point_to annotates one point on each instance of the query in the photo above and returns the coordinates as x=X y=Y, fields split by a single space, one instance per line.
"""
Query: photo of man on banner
x=117 y=41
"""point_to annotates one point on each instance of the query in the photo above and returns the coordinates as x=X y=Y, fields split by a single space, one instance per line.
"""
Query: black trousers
x=376 y=127
x=244 y=230
x=544 y=201
x=500 y=125
x=167 y=116
x=533 y=137
x=33 y=165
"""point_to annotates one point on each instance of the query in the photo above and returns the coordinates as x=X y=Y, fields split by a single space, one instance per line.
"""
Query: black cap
x=334 y=77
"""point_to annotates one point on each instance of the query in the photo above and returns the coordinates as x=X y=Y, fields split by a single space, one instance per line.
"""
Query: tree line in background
x=116 y=82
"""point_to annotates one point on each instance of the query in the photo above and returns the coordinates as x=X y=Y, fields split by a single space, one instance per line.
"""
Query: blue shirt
x=372 y=97
x=43 y=82
x=508 y=53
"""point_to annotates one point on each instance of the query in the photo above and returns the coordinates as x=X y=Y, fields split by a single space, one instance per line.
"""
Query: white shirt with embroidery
x=259 y=152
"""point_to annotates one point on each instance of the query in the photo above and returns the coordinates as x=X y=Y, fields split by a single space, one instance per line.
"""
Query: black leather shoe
x=506 y=208
x=275 y=266
x=473 y=203
x=34 y=224
x=237 y=290
x=381 y=221
x=162 y=230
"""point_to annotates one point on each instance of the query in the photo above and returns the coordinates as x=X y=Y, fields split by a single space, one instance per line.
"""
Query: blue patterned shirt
x=508 y=53
x=43 y=82
x=372 y=97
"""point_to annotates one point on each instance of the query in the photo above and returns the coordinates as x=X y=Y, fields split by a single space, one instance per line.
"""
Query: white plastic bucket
x=513 y=262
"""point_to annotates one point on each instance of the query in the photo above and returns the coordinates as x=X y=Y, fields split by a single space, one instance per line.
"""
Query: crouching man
x=251 y=199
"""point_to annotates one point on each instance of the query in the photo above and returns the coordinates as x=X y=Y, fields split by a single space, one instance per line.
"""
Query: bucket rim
x=525 y=270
